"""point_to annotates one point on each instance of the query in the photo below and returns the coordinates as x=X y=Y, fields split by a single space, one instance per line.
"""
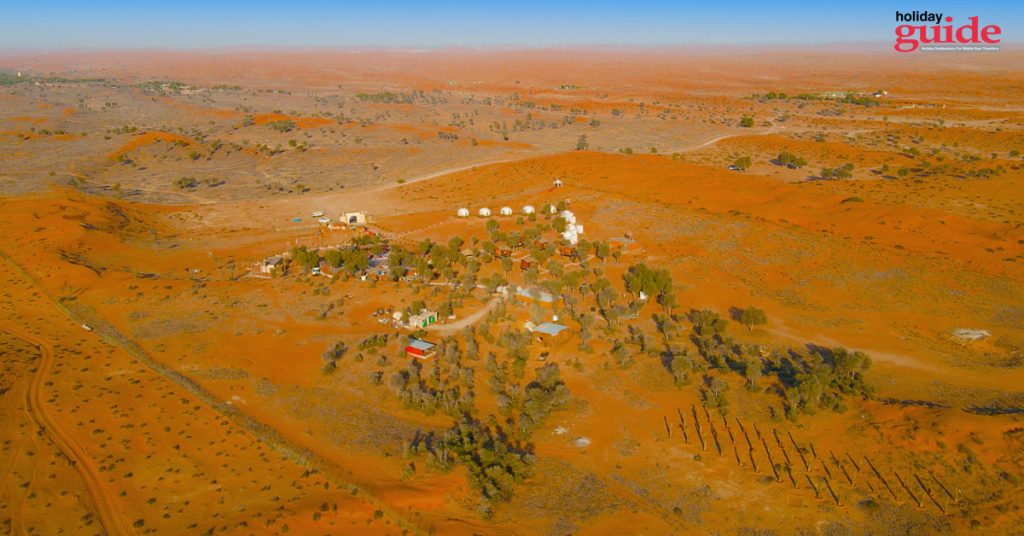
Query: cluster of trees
x=418 y=96
x=822 y=379
x=850 y=98
x=847 y=98
x=127 y=129
x=353 y=260
x=790 y=160
x=384 y=97
x=652 y=282
x=742 y=163
x=546 y=393
x=8 y=78
x=818 y=379
x=286 y=125
x=447 y=385
x=333 y=355
x=496 y=458
x=844 y=171
x=495 y=462
x=506 y=390
x=374 y=342
x=304 y=257
x=746 y=121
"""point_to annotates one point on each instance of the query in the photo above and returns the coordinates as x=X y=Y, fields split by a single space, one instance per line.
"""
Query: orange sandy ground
x=729 y=239
x=891 y=275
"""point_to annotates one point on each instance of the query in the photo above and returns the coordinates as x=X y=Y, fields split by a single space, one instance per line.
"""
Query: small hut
x=484 y=212
x=558 y=183
x=528 y=209
x=550 y=330
x=462 y=213
x=420 y=349
x=354 y=218
x=506 y=211
x=267 y=265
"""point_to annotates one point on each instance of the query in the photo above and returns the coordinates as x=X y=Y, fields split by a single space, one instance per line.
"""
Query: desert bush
x=186 y=183
x=332 y=355
x=752 y=316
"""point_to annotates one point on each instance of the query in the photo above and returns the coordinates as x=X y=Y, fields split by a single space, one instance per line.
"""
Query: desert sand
x=157 y=380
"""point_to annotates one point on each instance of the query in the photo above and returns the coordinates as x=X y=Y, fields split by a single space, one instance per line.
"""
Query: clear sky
x=404 y=23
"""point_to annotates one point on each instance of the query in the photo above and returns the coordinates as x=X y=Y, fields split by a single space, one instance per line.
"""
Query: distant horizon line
x=457 y=46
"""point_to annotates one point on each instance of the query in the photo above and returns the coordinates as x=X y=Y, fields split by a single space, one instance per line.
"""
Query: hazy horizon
x=647 y=23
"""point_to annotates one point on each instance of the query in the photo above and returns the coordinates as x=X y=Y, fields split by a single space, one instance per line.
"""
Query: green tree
x=791 y=160
x=752 y=316
x=746 y=121
x=304 y=257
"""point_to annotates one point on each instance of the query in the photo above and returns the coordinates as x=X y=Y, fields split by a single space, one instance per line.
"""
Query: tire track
x=297 y=453
x=102 y=501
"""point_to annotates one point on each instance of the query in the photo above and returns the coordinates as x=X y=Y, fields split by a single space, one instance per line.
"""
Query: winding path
x=454 y=327
x=112 y=523
x=102 y=500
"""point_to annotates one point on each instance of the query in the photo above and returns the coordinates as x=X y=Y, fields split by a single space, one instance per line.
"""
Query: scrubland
x=796 y=367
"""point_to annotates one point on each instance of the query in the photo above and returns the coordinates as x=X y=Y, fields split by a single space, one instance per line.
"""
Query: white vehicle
x=318 y=213
x=324 y=221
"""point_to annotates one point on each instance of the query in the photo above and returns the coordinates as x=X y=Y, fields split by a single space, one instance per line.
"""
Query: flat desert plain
x=572 y=291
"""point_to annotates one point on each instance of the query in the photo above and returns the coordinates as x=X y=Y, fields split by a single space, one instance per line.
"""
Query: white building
x=484 y=212
x=268 y=265
x=462 y=213
x=528 y=209
x=558 y=183
x=354 y=218
x=506 y=211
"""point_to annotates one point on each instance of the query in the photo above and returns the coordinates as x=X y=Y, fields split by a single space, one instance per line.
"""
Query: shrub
x=185 y=183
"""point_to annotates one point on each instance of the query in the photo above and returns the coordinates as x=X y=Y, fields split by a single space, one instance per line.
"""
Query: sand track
x=102 y=500
x=298 y=454
x=454 y=327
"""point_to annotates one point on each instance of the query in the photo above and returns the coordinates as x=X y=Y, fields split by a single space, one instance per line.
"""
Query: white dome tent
x=572 y=229
x=506 y=211
x=484 y=212
x=528 y=209
x=462 y=213
x=558 y=183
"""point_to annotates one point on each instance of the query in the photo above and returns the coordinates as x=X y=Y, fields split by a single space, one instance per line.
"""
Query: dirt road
x=101 y=498
x=112 y=523
x=458 y=325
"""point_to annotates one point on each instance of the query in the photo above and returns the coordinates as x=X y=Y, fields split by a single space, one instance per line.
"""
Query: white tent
x=528 y=209
x=506 y=211
x=572 y=229
x=462 y=213
x=484 y=212
x=558 y=183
